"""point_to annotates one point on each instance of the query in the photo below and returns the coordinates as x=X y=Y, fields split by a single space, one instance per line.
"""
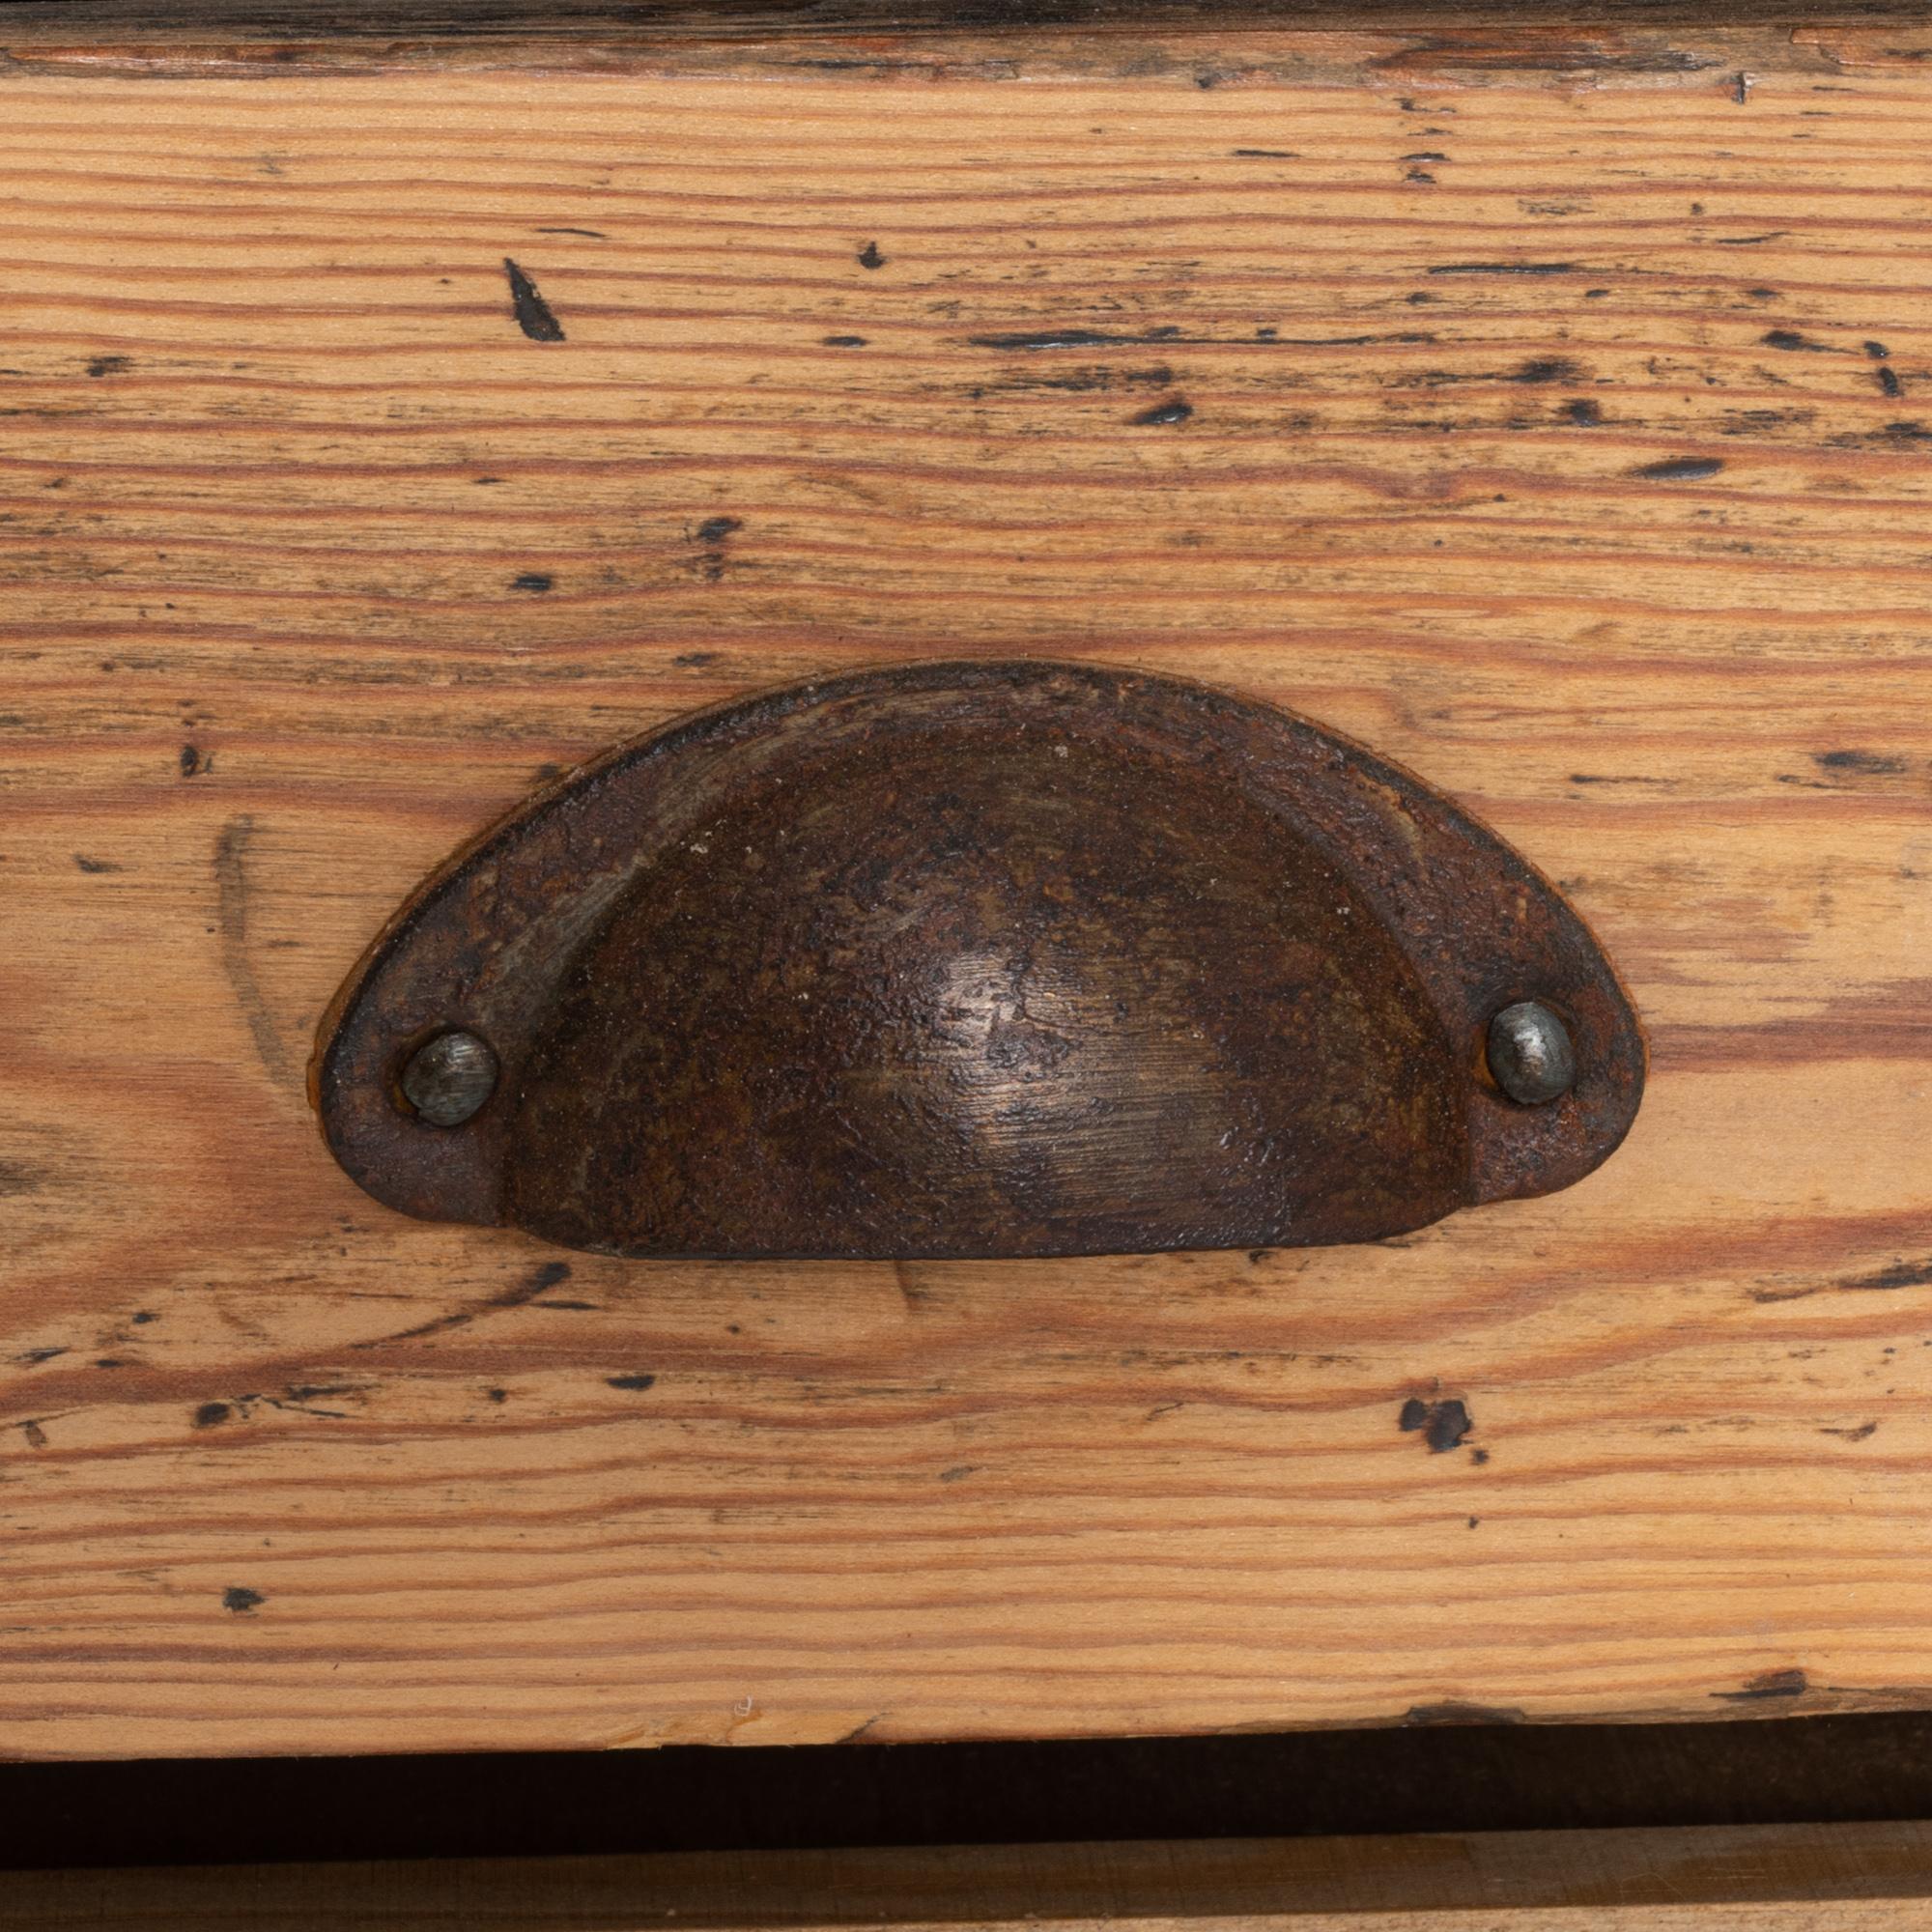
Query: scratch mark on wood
x=1506 y=268
x=548 y=1275
x=232 y=893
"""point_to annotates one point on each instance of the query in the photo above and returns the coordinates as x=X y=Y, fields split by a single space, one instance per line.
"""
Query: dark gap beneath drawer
x=1450 y=1777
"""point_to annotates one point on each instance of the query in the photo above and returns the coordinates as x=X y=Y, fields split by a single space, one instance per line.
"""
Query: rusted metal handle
x=978 y=960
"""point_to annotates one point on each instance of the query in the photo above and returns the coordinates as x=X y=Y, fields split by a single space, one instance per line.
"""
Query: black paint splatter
x=1680 y=469
x=1442 y=1423
x=1173 y=411
x=532 y=312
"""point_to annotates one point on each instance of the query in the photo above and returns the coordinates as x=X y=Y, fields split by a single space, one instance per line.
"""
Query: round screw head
x=1530 y=1053
x=449 y=1077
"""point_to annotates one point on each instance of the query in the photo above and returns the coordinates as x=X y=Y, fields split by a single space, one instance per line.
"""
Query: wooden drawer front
x=1552 y=416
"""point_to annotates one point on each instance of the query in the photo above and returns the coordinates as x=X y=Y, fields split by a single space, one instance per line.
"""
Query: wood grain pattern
x=1559 y=429
x=1807 y=1878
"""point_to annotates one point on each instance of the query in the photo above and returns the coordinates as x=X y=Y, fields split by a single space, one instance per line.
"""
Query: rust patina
x=972 y=960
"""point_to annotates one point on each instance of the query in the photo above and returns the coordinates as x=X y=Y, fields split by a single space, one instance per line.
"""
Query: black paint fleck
x=1175 y=411
x=211 y=1413
x=711 y=535
x=235 y=1598
x=108 y=365
x=869 y=256
x=843 y=341
x=533 y=314
x=1767 y=1684
x=1789 y=338
x=1548 y=369
x=636 y=1383
x=1585 y=412
x=532 y=581
x=1680 y=469
x=1900 y=1274
x=193 y=763
x=1876 y=763
x=1442 y=1423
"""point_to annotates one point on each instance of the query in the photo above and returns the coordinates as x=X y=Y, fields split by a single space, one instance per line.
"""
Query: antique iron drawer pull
x=972 y=960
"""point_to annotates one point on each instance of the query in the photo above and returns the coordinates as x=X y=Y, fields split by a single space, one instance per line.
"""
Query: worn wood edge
x=1239 y=43
x=1781 y=1875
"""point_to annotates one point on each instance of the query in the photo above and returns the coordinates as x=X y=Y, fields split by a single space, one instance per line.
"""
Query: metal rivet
x=449 y=1078
x=1530 y=1053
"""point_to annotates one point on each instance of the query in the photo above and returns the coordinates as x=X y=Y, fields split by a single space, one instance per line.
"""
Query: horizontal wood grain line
x=1534 y=599
x=1491 y=468
x=1098 y=377
x=888 y=209
x=135 y=566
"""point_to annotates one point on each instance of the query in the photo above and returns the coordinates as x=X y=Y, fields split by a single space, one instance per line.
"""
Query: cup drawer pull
x=978 y=960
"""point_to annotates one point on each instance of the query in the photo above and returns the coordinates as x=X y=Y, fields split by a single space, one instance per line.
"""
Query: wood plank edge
x=1506 y=1876
x=1399 y=43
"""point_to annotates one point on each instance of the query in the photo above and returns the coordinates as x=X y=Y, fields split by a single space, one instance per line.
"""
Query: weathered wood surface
x=1562 y=428
x=1804 y=1878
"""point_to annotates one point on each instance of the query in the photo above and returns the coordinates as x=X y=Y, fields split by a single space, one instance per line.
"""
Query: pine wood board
x=1558 y=430
x=1807 y=1877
